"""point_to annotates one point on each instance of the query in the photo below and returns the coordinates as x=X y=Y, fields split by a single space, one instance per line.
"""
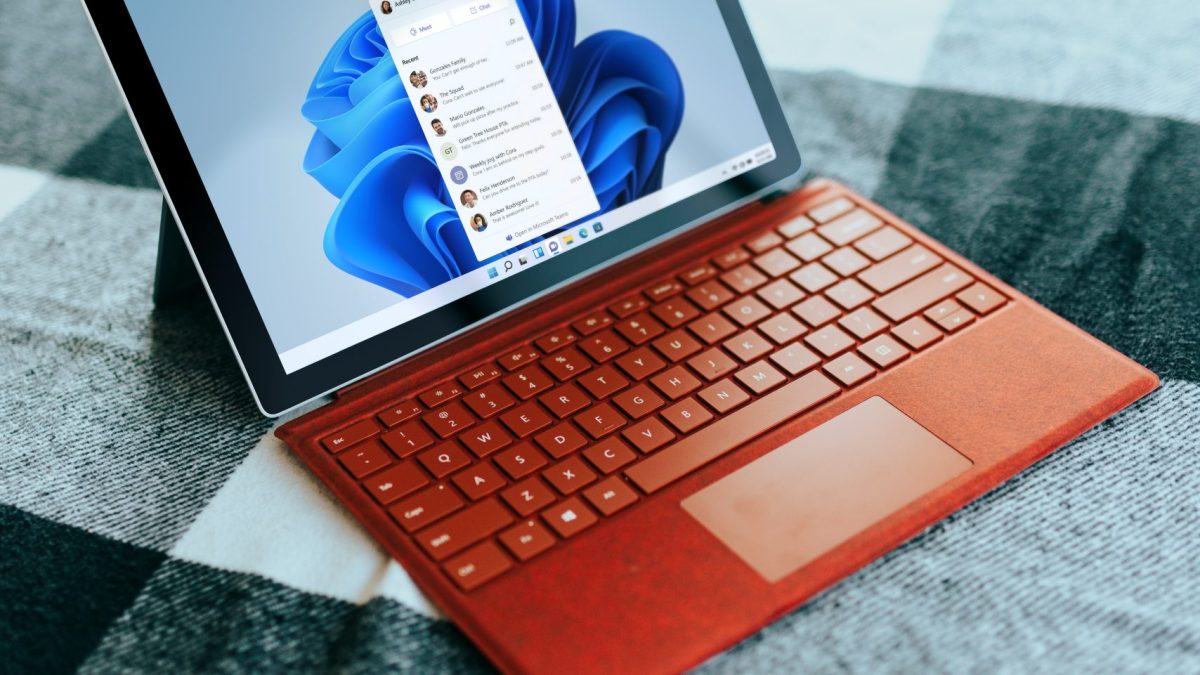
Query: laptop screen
x=373 y=162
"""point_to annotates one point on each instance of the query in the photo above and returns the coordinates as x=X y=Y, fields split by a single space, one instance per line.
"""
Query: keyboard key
x=569 y=475
x=444 y=459
x=747 y=311
x=724 y=396
x=663 y=290
x=604 y=346
x=426 y=506
x=526 y=419
x=809 y=247
x=782 y=328
x=640 y=329
x=883 y=243
x=641 y=363
x=731 y=258
x=397 y=482
x=922 y=292
x=400 y=413
x=676 y=346
x=676 y=382
x=900 y=268
x=565 y=400
x=479 y=481
x=780 y=294
x=450 y=420
x=521 y=460
x=408 y=438
x=829 y=341
x=440 y=394
x=556 y=340
x=570 y=517
x=603 y=382
x=764 y=242
x=917 y=333
x=609 y=455
x=676 y=312
x=529 y=382
x=489 y=401
x=980 y=298
x=463 y=529
x=796 y=227
x=486 y=438
x=712 y=328
x=528 y=496
x=600 y=420
x=813 y=277
x=846 y=261
x=776 y=263
x=712 y=364
x=477 y=377
x=638 y=401
x=527 y=540
x=957 y=321
x=849 y=294
x=744 y=278
x=849 y=369
x=711 y=295
x=629 y=306
x=692 y=452
x=748 y=346
x=477 y=566
x=942 y=310
x=863 y=323
x=687 y=415
x=365 y=459
x=828 y=211
x=518 y=358
x=760 y=377
x=849 y=227
x=883 y=351
x=566 y=364
x=698 y=274
x=795 y=359
x=611 y=495
x=648 y=435
x=594 y=322
x=816 y=311
x=359 y=431
x=561 y=440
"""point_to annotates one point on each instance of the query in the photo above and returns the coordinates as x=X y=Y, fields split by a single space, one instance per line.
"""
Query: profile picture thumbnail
x=385 y=7
x=429 y=103
x=438 y=127
x=468 y=198
x=478 y=222
x=418 y=79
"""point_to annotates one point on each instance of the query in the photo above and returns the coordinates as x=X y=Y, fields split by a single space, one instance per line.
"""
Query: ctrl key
x=478 y=566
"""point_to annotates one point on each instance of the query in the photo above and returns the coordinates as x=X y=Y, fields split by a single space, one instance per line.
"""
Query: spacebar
x=676 y=461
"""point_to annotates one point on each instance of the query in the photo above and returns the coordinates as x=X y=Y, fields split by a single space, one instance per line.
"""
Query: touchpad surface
x=792 y=505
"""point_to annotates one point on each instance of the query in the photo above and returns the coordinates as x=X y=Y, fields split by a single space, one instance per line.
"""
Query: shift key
x=923 y=292
x=463 y=529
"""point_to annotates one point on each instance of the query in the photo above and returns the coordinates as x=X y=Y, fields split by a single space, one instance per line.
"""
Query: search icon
x=508 y=265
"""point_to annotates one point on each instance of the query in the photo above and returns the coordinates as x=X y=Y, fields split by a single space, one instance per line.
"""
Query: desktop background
x=395 y=224
x=238 y=75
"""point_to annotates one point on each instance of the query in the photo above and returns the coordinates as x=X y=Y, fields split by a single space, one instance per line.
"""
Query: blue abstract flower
x=395 y=224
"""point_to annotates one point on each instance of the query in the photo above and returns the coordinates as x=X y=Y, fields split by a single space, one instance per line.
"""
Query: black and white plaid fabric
x=149 y=522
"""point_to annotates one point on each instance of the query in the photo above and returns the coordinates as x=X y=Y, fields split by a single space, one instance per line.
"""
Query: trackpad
x=792 y=505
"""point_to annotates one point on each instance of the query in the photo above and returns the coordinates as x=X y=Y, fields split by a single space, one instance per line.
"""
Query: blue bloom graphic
x=395 y=224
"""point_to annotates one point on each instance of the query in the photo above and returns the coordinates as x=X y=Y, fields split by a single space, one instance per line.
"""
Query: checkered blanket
x=150 y=522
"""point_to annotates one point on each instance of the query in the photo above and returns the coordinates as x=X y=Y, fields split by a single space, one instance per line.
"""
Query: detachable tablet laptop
x=612 y=397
